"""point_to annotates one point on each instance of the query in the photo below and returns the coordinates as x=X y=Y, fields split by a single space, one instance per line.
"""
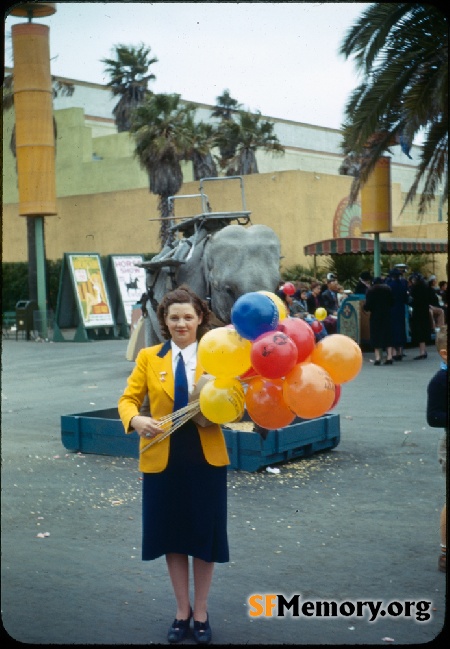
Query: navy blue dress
x=379 y=301
x=184 y=507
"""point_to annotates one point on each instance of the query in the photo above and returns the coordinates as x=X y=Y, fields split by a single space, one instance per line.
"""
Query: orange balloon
x=265 y=403
x=340 y=356
x=308 y=390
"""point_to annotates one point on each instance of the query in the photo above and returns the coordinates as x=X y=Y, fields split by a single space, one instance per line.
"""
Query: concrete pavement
x=358 y=523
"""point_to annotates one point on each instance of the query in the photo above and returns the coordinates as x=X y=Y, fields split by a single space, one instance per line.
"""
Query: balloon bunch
x=272 y=366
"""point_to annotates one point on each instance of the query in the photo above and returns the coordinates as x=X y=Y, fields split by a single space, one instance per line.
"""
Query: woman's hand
x=145 y=426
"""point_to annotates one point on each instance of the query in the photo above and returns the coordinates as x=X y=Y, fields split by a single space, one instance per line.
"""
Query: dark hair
x=183 y=295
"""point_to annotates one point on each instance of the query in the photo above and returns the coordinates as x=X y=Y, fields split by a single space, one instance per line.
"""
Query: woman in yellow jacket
x=184 y=496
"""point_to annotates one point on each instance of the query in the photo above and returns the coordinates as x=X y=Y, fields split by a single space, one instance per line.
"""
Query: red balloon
x=316 y=326
x=273 y=355
x=337 y=395
x=288 y=288
x=265 y=403
x=301 y=334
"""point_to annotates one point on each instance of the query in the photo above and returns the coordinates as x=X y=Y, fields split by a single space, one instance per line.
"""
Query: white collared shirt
x=189 y=354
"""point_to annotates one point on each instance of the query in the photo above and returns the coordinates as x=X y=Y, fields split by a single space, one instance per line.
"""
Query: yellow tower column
x=33 y=106
x=35 y=140
x=376 y=211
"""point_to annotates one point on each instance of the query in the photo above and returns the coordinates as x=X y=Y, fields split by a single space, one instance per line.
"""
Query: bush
x=298 y=273
x=14 y=284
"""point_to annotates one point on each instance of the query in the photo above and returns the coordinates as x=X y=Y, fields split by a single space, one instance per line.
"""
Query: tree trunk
x=165 y=213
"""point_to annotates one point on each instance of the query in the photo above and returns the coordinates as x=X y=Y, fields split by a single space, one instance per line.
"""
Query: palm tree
x=204 y=140
x=401 y=49
x=225 y=108
x=129 y=78
x=162 y=128
x=248 y=134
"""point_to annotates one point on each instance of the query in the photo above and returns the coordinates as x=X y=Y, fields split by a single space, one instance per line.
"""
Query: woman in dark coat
x=399 y=287
x=379 y=301
x=420 y=316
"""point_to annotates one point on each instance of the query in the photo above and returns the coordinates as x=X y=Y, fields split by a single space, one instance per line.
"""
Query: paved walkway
x=357 y=523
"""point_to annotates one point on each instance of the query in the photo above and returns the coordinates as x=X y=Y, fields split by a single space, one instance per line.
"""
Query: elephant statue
x=219 y=267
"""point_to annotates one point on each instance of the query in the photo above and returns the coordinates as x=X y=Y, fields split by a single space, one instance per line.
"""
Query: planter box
x=101 y=432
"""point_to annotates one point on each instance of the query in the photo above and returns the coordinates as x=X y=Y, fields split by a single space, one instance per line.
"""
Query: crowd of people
x=386 y=299
x=307 y=298
x=398 y=306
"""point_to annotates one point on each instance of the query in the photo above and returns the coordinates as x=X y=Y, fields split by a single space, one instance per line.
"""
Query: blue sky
x=279 y=58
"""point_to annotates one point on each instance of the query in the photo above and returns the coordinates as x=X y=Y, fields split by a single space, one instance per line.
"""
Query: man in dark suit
x=328 y=300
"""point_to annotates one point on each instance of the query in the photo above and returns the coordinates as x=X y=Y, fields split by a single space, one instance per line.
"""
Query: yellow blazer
x=153 y=375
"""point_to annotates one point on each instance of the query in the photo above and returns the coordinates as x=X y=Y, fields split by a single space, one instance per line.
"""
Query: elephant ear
x=207 y=257
x=208 y=263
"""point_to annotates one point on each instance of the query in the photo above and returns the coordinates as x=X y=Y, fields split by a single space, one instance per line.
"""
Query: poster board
x=126 y=283
x=83 y=299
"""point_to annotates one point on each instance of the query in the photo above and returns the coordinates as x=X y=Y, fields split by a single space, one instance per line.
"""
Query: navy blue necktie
x=181 y=385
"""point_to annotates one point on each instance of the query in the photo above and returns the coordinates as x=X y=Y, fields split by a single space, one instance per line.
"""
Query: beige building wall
x=104 y=204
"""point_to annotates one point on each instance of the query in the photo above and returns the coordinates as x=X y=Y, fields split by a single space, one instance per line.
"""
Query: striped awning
x=364 y=245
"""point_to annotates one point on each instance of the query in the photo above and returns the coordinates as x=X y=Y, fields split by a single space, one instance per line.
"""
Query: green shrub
x=14 y=284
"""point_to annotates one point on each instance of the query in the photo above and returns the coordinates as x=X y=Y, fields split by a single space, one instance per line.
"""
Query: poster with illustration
x=90 y=290
x=130 y=279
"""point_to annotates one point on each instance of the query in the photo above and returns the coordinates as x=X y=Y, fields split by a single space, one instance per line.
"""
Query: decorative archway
x=347 y=220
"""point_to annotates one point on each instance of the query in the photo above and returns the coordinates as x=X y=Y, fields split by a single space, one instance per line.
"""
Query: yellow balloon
x=281 y=308
x=222 y=352
x=222 y=400
x=320 y=313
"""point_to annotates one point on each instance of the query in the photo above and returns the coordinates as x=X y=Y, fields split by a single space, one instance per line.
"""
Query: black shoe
x=388 y=362
x=398 y=357
x=377 y=362
x=179 y=630
x=419 y=358
x=202 y=632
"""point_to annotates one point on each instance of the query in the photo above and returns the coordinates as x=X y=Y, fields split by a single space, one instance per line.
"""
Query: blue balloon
x=254 y=314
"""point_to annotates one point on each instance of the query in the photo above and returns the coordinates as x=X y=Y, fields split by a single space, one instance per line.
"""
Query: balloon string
x=174 y=420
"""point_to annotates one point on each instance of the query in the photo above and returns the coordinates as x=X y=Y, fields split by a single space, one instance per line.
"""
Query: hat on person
x=331 y=277
x=365 y=276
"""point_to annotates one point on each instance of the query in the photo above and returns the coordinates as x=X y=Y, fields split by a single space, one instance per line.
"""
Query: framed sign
x=90 y=290
x=130 y=279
